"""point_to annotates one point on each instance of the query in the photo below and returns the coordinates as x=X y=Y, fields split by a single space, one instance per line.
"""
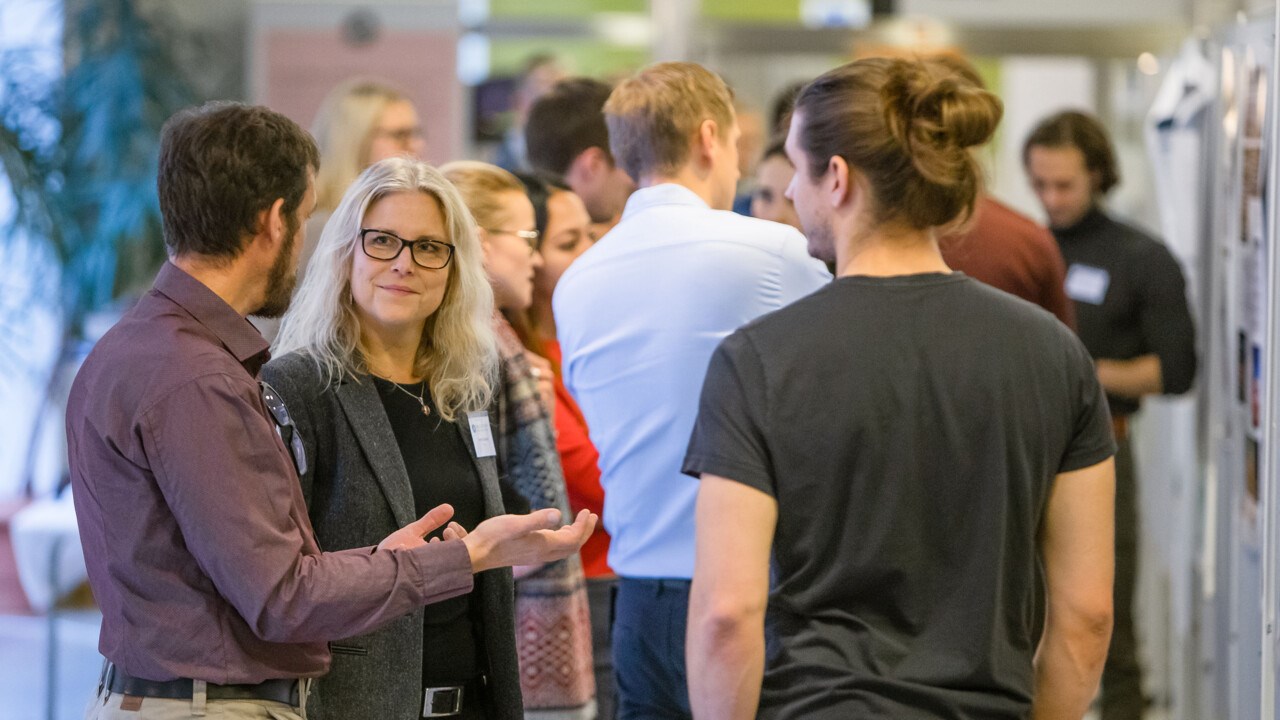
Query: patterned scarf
x=553 y=624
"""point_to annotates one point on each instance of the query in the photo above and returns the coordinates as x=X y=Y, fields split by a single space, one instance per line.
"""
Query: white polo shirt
x=638 y=316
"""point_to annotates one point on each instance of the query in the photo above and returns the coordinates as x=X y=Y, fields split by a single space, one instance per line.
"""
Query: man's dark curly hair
x=221 y=165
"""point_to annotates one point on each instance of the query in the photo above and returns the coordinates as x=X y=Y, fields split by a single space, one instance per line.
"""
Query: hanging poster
x=1254 y=240
x=1255 y=113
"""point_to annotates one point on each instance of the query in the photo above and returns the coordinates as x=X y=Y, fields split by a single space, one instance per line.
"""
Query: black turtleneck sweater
x=1130 y=299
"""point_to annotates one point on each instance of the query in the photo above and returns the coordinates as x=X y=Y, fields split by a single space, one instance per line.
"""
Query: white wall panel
x=1032 y=88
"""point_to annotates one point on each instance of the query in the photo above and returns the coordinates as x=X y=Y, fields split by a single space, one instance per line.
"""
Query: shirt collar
x=233 y=329
x=663 y=194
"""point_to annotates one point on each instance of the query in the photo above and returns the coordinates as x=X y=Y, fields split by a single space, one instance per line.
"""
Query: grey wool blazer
x=357 y=493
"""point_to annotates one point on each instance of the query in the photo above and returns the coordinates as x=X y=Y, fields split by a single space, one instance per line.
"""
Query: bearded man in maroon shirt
x=195 y=532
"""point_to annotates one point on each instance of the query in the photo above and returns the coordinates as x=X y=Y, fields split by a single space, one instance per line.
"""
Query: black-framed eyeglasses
x=529 y=236
x=383 y=245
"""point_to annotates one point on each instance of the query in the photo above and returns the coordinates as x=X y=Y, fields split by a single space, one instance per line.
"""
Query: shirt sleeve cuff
x=1089 y=457
x=442 y=570
x=695 y=465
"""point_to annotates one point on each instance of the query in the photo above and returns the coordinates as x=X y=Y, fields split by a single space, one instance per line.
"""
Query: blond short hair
x=654 y=115
x=481 y=186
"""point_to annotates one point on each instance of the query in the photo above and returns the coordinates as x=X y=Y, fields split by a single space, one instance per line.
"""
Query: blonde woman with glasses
x=387 y=363
x=359 y=123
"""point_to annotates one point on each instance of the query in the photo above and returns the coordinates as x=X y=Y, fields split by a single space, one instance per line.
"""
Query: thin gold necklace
x=419 y=397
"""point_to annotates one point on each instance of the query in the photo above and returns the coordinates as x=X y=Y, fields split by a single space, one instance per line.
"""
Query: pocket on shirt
x=348 y=649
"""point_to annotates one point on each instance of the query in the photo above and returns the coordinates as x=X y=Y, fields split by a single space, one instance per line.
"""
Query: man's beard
x=282 y=278
x=821 y=241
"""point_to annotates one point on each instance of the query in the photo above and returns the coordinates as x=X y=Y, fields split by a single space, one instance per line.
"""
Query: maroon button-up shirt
x=195 y=532
x=1013 y=253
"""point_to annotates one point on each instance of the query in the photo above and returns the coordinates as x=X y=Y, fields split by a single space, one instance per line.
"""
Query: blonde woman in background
x=554 y=641
x=360 y=122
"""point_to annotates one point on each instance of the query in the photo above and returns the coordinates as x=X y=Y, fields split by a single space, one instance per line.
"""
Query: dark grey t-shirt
x=909 y=429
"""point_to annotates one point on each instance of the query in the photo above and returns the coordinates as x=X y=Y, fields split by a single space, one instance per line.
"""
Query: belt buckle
x=442 y=702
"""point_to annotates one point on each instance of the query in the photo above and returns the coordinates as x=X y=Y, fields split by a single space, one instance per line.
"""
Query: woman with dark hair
x=769 y=200
x=552 y=609
x=564 y=230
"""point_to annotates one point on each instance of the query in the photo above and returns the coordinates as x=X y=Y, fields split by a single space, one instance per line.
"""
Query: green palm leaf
x=80 y=152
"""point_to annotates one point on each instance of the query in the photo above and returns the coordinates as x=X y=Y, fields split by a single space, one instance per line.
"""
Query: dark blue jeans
x=649 y=620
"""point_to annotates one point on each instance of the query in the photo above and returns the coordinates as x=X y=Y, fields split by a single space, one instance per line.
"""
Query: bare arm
x=725 y=644
x=1131 y=378
x=1077 y=541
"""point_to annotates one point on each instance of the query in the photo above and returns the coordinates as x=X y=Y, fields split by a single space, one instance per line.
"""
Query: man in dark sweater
x=1131 y=314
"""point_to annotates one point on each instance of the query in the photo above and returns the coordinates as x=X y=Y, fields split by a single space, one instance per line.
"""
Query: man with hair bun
x=883 y=462
x=1131 y=310
x=638 y=316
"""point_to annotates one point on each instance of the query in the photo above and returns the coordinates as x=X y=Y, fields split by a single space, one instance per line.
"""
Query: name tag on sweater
x=481 y=434
x=1087 y=284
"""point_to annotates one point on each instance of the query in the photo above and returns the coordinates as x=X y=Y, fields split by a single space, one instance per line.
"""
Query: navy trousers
x=649 y=621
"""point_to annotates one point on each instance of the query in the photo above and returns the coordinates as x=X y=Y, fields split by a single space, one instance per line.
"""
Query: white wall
x=1032 y=88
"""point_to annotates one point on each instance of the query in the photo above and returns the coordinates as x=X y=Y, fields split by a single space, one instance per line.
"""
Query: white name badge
x=481 y=434
x=1087 y=284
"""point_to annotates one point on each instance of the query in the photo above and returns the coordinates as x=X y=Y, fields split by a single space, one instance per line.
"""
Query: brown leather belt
x=1120 y=426
x=122 y=683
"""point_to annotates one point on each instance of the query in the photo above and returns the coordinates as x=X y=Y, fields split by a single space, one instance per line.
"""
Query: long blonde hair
x=343 y=129
x=458 y=353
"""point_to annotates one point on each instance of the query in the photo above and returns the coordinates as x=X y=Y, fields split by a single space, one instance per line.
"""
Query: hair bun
x=938 y=111
x=967 y=114
x=935 y=119
x=907 y=126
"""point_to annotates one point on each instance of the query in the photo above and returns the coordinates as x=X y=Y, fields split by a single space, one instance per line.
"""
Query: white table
x=46 y=544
